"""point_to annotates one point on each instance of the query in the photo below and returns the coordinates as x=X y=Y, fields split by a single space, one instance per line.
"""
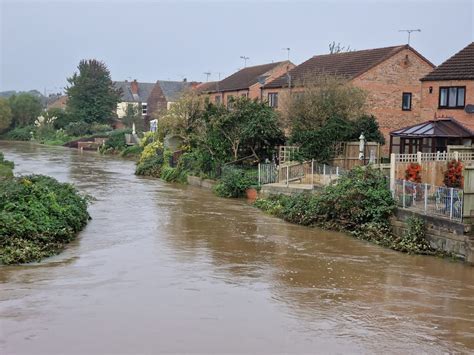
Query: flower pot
x=251 y=193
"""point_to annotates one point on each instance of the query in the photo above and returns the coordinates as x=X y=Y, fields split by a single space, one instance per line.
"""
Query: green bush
x=234 y=182
x=38 y=217
x=6 y=167
x=132 y=151
x=150 y=166
x=97 y=128
x=360 y=203
x=21 y=133
x=116 y=140
x=78 y=129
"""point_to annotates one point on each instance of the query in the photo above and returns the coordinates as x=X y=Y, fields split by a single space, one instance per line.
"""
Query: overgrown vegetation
x=6 y=167
x=213 y=137
x=234 y=182
x=328 y=111
x=360 y=203
x=38 y=216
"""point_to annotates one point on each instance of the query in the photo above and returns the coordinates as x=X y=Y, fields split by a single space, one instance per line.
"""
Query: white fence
x=429 y=199
x=440 y=156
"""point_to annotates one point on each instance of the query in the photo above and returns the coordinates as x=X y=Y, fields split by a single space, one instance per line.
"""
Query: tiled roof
x=210 y=86
x=442 y=127
x=246 y=77
x=172 y=89
x=347 y=64
x=144 y=90
x=459 y=67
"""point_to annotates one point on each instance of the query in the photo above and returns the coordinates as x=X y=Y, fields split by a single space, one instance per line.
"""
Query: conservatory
x=430 y=137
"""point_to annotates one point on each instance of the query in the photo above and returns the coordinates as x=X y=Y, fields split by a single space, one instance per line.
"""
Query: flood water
x=169 y=268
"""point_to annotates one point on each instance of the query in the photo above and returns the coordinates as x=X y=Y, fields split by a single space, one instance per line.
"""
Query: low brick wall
x=443 y=234
x=199 y=182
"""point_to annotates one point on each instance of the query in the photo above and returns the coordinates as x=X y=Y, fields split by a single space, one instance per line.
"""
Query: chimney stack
x=134 y=87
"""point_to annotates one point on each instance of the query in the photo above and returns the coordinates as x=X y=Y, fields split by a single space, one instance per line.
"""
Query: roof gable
x=172 y=89
x=246 y=77
x=144 y=90
x=459 y=67
x=347 y=64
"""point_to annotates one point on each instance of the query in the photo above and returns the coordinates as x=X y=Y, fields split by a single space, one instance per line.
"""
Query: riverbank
x=203 y=262
x=38 y=217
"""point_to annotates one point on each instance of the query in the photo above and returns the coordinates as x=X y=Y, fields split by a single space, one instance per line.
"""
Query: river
x=170 y=268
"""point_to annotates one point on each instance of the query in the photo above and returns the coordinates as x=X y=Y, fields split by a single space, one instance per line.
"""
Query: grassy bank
x=360 y=204
x=38 y=217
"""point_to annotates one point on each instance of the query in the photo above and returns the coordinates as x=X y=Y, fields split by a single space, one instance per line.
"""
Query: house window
x=452 y=97
x=217 y=99
x=144 y=108
x=406 y=101
x=230 y=101
x=273 y=99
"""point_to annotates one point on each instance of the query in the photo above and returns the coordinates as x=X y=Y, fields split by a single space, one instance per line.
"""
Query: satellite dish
x=469 y=109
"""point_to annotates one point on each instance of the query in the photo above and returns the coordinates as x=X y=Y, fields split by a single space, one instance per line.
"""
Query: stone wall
x=199 y=182
x=443 y=234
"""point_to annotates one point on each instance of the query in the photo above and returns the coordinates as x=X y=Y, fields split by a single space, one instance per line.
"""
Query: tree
x=5 y=115
x=250 y=128
x=323 y=97
x=337 y=48
x=25 y=109
x=92 y=96
x=183 y=117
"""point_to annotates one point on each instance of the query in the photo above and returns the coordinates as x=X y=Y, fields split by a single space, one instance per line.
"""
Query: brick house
x=247 y=82
x=165 y=93
x=390 y=76
x=447 y=101
x=448 y=90
x=133 y=93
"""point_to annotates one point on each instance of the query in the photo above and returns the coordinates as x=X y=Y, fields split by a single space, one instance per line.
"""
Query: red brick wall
x=156 y=101
x=254 y=91
x=429 y=102
x=385 y=84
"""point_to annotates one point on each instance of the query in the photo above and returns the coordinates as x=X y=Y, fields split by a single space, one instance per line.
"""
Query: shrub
x=453 y=175
x=132 y=151
x=97 y=128
x=78 y=129
x=150 y=166
x=38 y=217
x=21 y=133
x=413 y=172
x=234 y=182
x=361 y=196
x=116 y=140
x=414 y=239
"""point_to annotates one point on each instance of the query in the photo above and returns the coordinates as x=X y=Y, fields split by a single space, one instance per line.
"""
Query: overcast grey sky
x=43 y=41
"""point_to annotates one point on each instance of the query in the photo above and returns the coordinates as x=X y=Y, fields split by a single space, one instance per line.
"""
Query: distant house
x=133 y=93
x=165 y=93
x=247 y=82
x=448 y=90
x=390 y=76
x=57 y=102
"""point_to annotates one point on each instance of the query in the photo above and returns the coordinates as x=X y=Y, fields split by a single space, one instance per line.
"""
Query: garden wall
x=443 y=234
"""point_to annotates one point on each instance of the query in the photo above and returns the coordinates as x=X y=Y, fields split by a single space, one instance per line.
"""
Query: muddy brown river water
x=169 y=268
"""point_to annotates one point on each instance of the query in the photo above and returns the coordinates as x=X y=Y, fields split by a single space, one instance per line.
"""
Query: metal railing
x=429 y=199
x=308 y=172
x=267 y=173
